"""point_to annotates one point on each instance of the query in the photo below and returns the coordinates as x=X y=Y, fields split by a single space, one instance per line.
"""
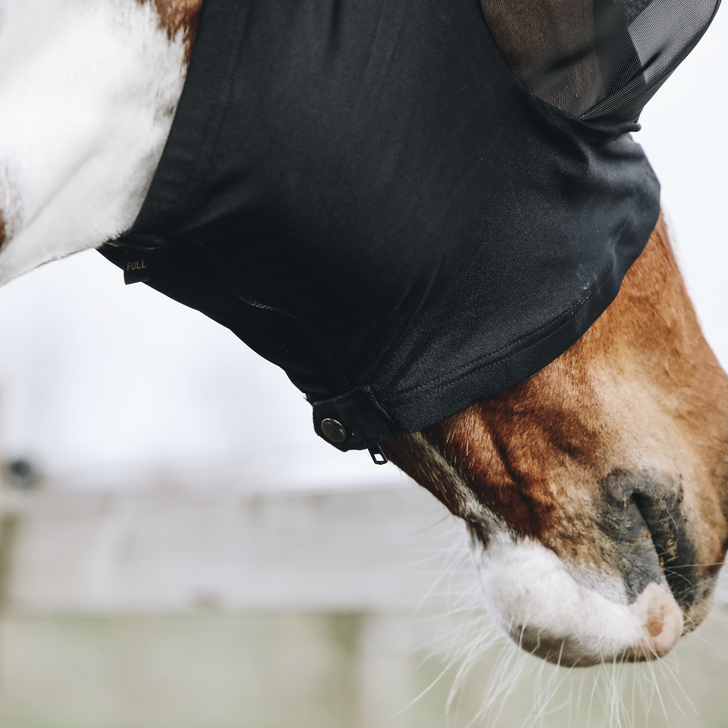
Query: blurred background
x=179 y=550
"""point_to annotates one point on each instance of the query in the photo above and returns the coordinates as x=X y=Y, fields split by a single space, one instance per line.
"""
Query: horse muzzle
x=623 y=584
x=576 y=617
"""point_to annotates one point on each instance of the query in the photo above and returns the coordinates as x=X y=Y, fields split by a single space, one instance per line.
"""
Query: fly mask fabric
x=409 y=207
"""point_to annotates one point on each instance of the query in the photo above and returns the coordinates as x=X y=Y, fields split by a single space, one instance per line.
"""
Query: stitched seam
x=474 y=367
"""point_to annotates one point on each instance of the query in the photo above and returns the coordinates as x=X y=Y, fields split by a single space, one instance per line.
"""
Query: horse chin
x=577 y=619
x=657 y=626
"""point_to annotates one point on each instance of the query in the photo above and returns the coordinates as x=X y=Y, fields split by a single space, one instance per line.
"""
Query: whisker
x=610 y=694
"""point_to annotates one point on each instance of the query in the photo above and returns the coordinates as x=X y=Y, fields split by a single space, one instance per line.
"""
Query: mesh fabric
x=596 y=59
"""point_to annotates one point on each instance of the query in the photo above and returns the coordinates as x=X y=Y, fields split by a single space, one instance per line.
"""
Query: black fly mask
x=409 y=207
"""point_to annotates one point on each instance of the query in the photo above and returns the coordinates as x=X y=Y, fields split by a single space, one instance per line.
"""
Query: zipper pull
x=378 y=456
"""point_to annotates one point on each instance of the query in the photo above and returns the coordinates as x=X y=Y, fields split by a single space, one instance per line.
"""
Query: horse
x=594 y=491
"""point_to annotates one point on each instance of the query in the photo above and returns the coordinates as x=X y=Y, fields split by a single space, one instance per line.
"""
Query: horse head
x=595 y=491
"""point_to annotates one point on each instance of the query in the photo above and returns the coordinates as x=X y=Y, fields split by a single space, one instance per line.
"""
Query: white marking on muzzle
x=567 y=614
x=533 y=597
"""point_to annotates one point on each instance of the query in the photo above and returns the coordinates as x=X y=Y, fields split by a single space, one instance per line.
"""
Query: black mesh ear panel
x=632 y=8
x=549 y=45
x=597 y=59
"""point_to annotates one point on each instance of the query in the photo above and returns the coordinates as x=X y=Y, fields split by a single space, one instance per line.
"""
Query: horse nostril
x=675 y=549
x=643 y=516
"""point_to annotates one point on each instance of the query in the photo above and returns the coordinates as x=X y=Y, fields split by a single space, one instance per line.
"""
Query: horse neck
x=88 y=91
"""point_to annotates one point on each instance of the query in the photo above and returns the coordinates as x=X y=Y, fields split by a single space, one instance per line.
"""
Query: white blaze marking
x=88 y=89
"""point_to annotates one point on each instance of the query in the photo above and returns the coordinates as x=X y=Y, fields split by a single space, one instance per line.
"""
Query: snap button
x=333 y=430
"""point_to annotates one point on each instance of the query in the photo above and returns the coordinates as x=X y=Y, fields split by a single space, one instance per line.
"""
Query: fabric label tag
x=137 y=266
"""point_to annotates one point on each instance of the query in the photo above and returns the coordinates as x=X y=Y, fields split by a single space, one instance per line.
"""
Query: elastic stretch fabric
x=401 y=213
